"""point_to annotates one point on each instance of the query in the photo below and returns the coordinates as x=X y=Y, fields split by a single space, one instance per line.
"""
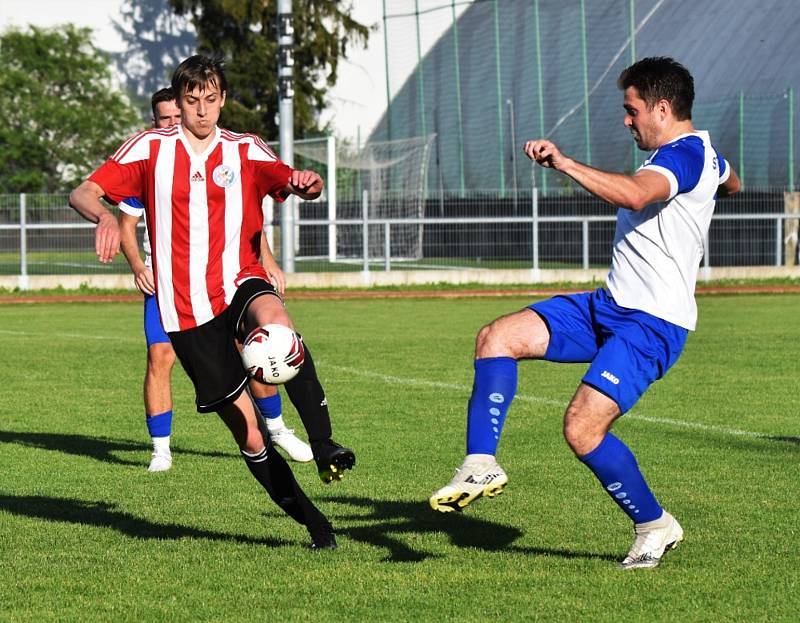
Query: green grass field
x=87 y=534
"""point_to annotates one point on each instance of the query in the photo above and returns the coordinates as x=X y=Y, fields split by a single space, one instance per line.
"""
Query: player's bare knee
x=580 y=432
x=160 y=358
x=265 y=309
x=572 y=434
x=481 y=341
x=260 y=390
x=253 y=443
x=494 y=341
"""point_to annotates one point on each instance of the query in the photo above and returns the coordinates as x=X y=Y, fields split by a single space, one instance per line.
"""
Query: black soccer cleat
x=332 y=459
x=322 y=537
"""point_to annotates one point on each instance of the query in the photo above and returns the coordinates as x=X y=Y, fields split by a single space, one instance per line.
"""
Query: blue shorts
x=153 y=329
x=628 y=349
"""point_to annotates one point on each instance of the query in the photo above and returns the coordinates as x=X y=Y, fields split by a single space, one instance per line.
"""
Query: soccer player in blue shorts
x=161 y=355
x=632 y=330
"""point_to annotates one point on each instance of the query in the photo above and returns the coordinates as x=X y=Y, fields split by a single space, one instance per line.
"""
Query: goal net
x=390 y=178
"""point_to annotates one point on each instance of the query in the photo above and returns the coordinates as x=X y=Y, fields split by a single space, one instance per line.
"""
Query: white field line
x=397 y=380
x=72 y=336
x=464 y=389
x=74 y=265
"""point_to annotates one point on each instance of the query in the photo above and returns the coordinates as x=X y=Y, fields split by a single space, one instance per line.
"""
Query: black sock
x=273 y=473
x=308 y=398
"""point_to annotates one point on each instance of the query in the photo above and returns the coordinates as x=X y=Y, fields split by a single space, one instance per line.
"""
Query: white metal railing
x=533 y=222
x=379 y=255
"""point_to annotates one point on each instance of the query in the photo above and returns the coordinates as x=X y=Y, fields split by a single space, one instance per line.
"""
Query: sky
x=357 y=101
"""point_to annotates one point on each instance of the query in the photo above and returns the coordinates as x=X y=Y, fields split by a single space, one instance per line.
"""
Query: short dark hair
x=162 y=95
x=660 y=77
x=198 y=71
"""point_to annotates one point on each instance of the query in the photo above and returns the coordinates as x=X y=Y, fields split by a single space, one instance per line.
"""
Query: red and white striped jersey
x=203 y=214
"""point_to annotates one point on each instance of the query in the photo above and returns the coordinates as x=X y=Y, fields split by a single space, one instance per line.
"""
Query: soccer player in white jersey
x=160 y=354
x=202 y=188
x=632 y=330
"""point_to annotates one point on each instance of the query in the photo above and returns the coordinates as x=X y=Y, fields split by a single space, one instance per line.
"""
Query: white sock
x=661 y=522
x=275 y=424
x=161 y=445
x=479 y=458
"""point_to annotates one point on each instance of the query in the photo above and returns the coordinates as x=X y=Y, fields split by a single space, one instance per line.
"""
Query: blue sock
x=616 y=468
x=160 y=425
x=492 y=391
x=269 y=407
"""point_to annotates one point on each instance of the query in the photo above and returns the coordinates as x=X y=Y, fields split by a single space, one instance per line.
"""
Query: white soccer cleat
x=653 y=540
x=297 y=449
x=160 y=462
x=472 y=480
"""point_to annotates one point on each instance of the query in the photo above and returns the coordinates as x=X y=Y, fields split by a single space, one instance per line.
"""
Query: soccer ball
x=273 y=354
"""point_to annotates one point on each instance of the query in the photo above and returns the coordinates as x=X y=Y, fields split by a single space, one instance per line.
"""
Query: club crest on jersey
x=224 y=176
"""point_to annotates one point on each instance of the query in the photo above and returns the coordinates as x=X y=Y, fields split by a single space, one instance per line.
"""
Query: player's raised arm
x=633 y=192
x=85 y=200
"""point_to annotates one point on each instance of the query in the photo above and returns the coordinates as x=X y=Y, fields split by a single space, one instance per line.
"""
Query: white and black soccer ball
x=273 y=354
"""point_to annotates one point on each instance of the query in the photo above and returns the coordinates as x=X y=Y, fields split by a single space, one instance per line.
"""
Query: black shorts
x=209 y=355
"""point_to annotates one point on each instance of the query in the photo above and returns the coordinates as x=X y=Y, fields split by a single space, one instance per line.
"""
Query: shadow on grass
x=388 y=519
x=785 y=439
x=99 y=448
x=104 y=515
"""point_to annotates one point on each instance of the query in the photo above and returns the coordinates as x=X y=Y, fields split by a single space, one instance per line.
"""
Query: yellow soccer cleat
x=332 y=460
x=472 y=480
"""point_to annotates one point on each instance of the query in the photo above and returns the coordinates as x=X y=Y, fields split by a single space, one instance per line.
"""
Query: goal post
x=331 y=183
x=394 y=175
x=319 y=151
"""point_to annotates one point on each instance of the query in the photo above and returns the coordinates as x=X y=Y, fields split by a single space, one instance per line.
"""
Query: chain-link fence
x=485 y=75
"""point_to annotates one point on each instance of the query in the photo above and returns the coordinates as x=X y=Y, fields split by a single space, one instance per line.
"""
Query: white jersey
x=134 y=207
x=657 y=250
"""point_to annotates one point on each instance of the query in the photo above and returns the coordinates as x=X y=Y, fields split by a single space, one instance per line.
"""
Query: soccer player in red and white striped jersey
x=202 y=202
x=160 y=354
x=202 y=188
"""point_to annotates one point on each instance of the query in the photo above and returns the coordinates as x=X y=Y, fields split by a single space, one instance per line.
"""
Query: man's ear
x=664 y=108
